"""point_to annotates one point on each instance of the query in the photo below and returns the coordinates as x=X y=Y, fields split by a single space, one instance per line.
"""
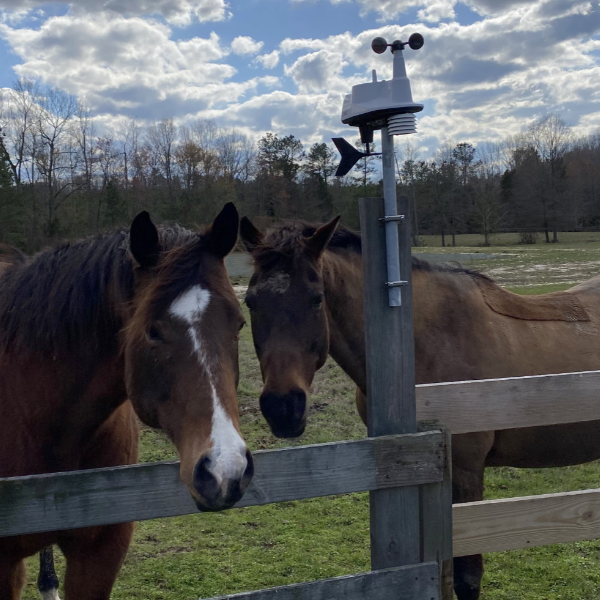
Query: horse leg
x=468 y=462
x=12 y=579
x=47 y=580
x=361 y=404
x=94 y=557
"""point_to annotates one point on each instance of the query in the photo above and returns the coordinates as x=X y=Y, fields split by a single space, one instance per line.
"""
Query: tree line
x=61 y=177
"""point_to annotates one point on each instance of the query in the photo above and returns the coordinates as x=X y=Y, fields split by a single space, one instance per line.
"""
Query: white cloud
x=436 y=10
x=123 y=65
x=309 y=117
x=317 y=71
x=177 y=12
x=289 y=45
x=244 y=45
x=267 y=61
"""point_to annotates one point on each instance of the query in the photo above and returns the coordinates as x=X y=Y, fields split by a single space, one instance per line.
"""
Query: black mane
x=64 y=299
x=284 y=241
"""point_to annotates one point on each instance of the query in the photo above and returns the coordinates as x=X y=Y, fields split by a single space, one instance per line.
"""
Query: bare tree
x=55 y=155
x=162 y=138
x=128 y=134
x=550 y=137
x=235 y=152
x=85 y=131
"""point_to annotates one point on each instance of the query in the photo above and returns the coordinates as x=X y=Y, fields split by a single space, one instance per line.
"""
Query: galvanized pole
x=391 y=218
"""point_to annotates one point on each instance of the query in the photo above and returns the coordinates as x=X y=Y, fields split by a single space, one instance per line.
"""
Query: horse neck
x=75 y=388
x=342 y=278
x=441 y=303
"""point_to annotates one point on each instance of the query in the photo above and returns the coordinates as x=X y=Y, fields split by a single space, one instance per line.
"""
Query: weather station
x=387 y=106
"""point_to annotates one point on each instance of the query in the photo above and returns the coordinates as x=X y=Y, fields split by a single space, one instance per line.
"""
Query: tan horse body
x=465 y=327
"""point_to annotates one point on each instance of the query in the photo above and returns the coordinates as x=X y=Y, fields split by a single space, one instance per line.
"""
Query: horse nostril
x=249 y=472
x=205 y=483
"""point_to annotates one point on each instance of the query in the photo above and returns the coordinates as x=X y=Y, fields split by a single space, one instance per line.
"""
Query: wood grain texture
x=149 y=491
x=492 y=404
x=436 y=524
x=414 y=582
x=496 y=525
x=389 y=345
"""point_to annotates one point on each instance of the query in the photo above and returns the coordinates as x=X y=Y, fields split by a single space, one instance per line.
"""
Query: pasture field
x=186 y=558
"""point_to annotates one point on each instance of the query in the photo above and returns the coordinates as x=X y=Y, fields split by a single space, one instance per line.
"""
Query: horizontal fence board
x=412 y=582
x=496 y=525
x=492 y=404
x=101 y=496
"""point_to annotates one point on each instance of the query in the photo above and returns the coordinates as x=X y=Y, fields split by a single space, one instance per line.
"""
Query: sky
x=488 y=67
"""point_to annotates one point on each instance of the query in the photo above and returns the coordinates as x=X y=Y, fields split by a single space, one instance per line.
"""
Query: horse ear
x=320 y=238
x=143 y=241
x=250 y=235
x=222 y=235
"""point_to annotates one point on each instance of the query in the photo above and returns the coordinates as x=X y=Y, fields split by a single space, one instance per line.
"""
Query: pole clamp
x=396 y=283
x=391 y=218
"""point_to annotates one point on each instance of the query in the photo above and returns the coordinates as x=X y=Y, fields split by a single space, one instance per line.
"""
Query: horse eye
x=318 y=301
x=154 y=335
x=242 y=326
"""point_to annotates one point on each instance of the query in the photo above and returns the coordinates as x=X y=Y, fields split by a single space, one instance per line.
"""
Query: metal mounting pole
x=391 y=220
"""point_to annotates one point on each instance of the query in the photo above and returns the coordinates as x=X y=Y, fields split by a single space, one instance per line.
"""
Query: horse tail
x=11 y=254
x=47 y=580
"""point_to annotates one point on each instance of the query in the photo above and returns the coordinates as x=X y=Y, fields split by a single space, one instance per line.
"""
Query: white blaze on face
x=228 y=454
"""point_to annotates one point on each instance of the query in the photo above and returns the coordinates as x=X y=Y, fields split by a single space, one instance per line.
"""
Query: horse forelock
x=286 y=242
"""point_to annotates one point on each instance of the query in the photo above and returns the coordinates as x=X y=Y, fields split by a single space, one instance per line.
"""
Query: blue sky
x=488 y=67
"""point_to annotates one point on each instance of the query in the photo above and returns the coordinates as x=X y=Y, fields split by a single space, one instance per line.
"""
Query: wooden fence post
x=408 y=525
x=395 y=535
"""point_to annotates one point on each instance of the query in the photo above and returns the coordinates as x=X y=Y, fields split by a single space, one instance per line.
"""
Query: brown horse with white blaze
x=305 y=300
x=147 y=315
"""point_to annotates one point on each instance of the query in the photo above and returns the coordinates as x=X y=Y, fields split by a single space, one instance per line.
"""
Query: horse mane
x=419 y=264
x=66 y=299
x=11 y=254
x=284 y=242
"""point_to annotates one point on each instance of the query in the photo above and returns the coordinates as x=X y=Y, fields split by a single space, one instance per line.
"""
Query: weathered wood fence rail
x=149 y=491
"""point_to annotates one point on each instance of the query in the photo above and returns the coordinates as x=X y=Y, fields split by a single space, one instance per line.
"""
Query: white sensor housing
x=380 y=103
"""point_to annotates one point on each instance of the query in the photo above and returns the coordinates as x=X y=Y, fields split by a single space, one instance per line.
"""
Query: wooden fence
x=407 y=473
x=149 y=491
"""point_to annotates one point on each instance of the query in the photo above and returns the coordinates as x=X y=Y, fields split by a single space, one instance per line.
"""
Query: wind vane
x=389 y=106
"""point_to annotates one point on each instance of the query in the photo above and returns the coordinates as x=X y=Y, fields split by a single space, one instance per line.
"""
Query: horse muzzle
x=285 y=413
x=218 y=487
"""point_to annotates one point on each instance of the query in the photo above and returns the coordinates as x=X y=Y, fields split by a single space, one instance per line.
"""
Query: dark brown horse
x=305 y=300
x=147 y=315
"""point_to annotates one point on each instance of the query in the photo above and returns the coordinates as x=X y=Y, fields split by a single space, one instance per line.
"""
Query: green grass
x=510 y=239
x=196 y=556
